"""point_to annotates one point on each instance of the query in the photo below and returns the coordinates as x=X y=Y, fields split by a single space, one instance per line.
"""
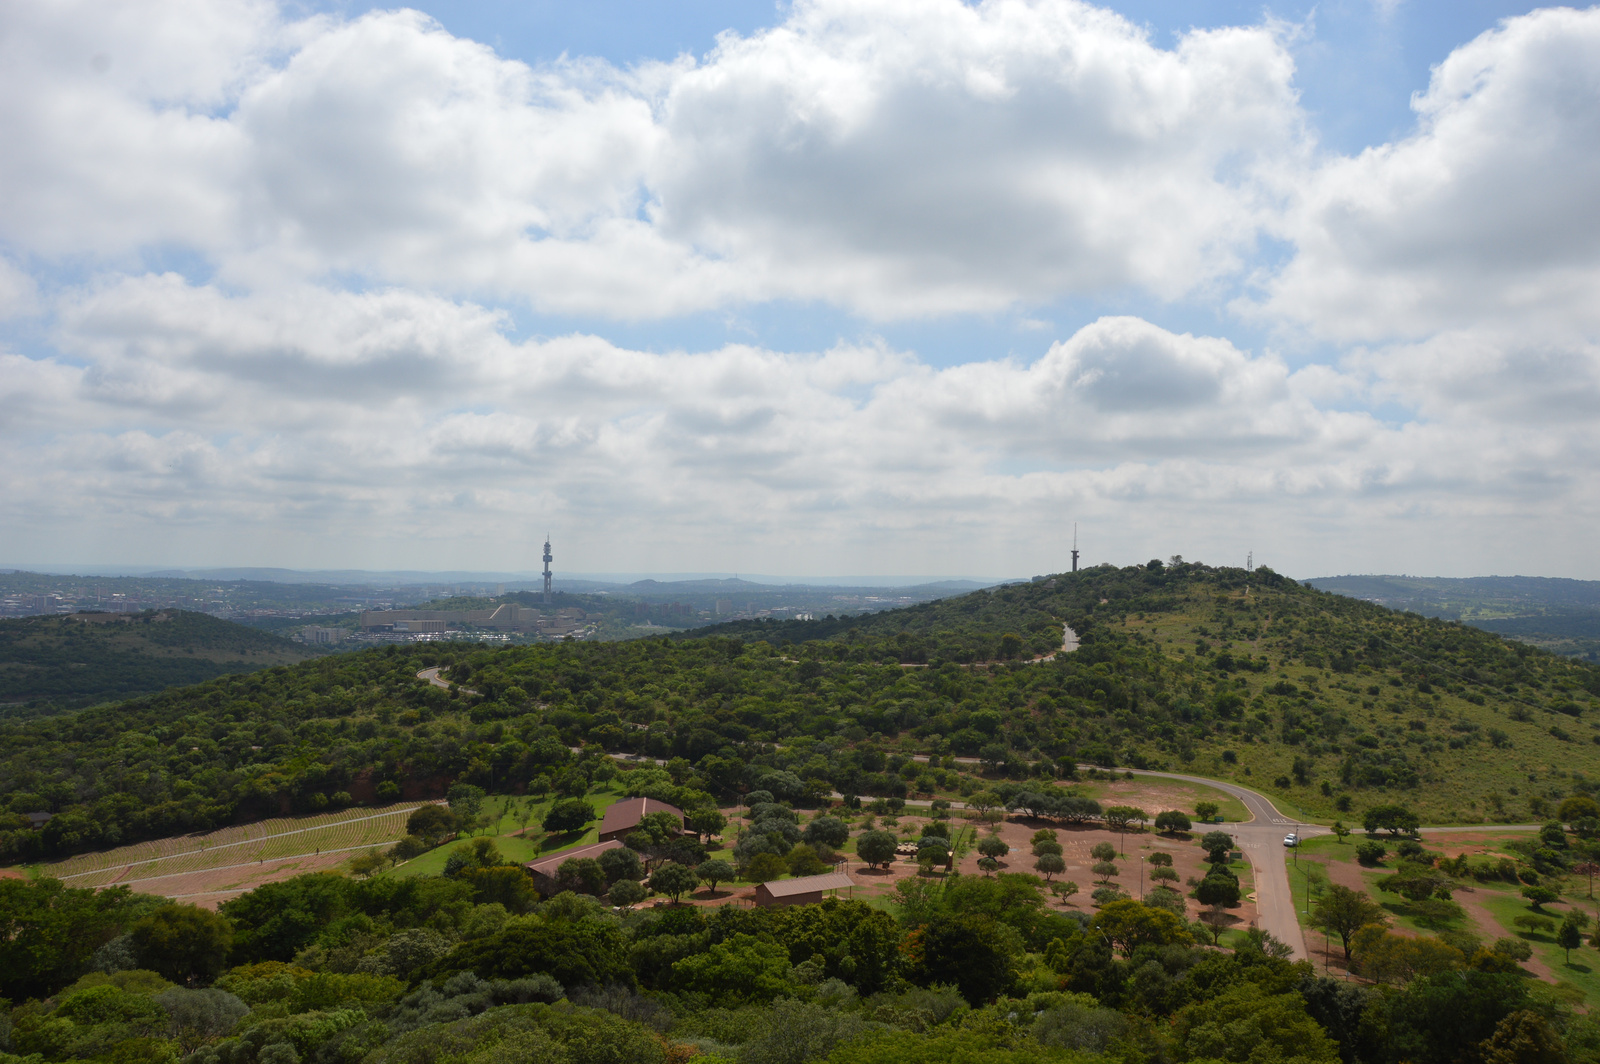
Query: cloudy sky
x=826 y=287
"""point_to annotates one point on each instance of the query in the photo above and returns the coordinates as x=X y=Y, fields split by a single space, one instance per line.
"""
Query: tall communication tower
x=548 y=558
x=1074 y=546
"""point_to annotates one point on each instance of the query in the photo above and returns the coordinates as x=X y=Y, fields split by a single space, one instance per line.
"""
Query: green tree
x=1396 y=819
x=1539 y=896
x=431 y=823
x=716 y=871
x=185 y=943
x=1120 y=817
x=1172 y=821
x=877 y=847
x=1105 y=871
x=1569 y=937
x=967 y=951
x=1217 y=845
x=620 y=863
x=1206 y=810
x=764 y=868
x=1129 y=924
x=628 y=893
x=1049 y=864
x=1103 y=851
x=1342 y=911
x=705 y=822
x=742 y=969
x=993 y=846
x=466 y=800
x=1247 y=1022
x=568 y=814
x=673 y=880
x=1218 y=891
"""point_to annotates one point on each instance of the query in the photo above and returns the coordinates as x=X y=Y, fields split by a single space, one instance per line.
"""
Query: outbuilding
x=623 y=817
x=545 y=868
x=807 y=890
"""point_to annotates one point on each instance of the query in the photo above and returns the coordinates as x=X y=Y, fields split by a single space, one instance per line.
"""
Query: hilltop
x=1559 y=615
x=54 y=663
x=1329 y=703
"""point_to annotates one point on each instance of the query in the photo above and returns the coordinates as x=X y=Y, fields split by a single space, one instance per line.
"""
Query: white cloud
x=1485 y=215
x=888 y=157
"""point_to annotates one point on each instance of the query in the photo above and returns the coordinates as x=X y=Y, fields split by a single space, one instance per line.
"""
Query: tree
x=1370 y=852
x=1524 y=1037
x=967 y=951
x=1218 y=891
x=877 y=847
x=568 y=814
x=705 y=822
x=1129 y=924
x=1105 y=870
x=988 y=865
x=1340 y=831
x=1206 y=810
x=431 y=823
x=1064 y=890
x=673 y=880
x=993 y=846
x=1164 y=874
x=628 y=893
x=1044 y=846
x=830 y=831
x=1172 y=821
x=1103 y=851
x=1049 y=864
x=184 y=943
x=1161 y=860
x=765 y=867
x=1217 y=845
x=1343 y=912
x=1578 y=807
x=1539 y=896
x=717 y=871
x=621 y=863
x=1396 y=819
x=1569 y=937
x=581 y=875
x=466 y=801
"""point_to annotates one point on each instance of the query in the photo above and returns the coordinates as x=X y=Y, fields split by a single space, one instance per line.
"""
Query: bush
x=569 y=814
x=1370 y=853
x=1173 y=821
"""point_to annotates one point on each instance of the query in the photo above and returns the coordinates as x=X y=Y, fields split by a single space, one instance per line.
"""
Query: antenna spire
x=1074 y=546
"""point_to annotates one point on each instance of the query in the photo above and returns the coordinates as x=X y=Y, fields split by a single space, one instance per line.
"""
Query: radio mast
x=1074 y=546
x=548 y=558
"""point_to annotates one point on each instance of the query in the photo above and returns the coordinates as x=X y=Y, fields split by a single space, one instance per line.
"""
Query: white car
x=1291 y=839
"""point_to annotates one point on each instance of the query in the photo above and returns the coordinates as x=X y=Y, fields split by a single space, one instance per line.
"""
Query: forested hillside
x=1331 y=703
x=54 y=663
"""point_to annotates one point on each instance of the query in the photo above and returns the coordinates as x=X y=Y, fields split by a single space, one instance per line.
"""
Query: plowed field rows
x=154 y=867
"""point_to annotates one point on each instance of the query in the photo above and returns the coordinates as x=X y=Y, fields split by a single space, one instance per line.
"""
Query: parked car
x=1291 y=839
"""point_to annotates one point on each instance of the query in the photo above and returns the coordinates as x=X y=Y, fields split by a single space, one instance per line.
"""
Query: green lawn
x=508 y=810
x=1107 y=792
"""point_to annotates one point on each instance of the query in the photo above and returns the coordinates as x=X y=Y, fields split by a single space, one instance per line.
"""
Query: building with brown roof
x=545 y=868
x=807 y=890
x=624 y=816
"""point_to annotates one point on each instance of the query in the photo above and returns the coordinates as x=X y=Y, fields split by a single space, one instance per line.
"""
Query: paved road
x=1260 y=839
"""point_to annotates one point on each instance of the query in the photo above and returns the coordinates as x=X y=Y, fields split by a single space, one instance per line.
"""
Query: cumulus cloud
x=1484 y=215
x=892 y=158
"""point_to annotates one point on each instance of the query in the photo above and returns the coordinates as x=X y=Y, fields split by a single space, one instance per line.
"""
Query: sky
x=811 y=288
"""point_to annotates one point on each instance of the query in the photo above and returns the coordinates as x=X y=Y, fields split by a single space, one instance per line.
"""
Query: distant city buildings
x=550 y=623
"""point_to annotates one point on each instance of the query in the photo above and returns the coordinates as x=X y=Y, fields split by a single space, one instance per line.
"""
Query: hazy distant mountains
x=1557 y=614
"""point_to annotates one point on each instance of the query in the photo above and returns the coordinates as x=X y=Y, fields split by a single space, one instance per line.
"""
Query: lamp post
x=1141 y=877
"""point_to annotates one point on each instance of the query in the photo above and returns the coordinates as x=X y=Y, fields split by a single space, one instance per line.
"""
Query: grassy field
x=147 y=866
x=513 y=813
x=1492 y=907
x=1464 y=779
x=1155 y=795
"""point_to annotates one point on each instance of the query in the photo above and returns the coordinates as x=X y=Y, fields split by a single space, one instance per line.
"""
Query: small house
x=807 y=890
x=624 y=816
x=545 y=868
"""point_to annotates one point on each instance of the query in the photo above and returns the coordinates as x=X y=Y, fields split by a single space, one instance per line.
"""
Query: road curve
x=1260 y=839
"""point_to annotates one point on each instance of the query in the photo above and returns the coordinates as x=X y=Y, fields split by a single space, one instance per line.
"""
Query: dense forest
x=1324 y=700
x=49 y=664
x=476 y=966
x=1331 y=702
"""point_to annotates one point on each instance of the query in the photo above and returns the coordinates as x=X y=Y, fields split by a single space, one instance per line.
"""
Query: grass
x=506 y=810
x=1126 y=792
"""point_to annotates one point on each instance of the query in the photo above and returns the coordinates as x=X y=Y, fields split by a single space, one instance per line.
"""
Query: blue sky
x=824 y=287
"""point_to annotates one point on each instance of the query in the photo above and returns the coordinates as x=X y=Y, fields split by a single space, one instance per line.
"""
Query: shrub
x=1370 y=853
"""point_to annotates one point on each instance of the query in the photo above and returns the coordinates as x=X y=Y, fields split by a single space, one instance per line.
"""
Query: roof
x=546 y=866
x=627 y=813
x=785 y=888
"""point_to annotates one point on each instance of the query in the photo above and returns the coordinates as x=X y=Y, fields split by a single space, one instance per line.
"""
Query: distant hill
x=1555 y=614
x=54 y=663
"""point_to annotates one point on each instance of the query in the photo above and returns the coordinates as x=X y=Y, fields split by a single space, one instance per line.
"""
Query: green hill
x=1329 y=703
x=54 y=663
